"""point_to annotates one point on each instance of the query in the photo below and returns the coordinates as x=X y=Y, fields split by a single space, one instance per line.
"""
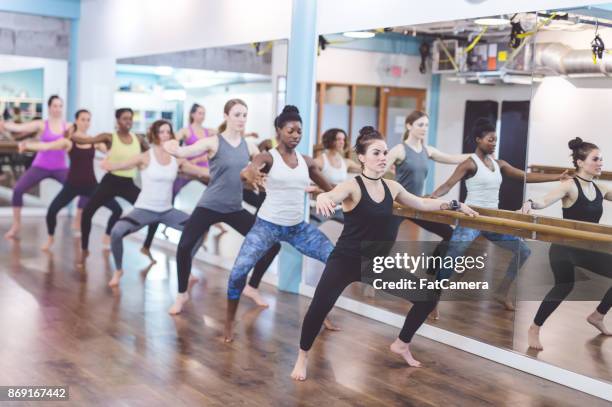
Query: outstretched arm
x=253 y=175
x=445 y=158
x=60 y=144
x=201 y=173
x=139 y=160
x=315 y=174
x=327 y=201
x=205 y=145
x=83 y=139
x=424 y=204
x=529 y=177
x=462 y=171
x=559 y=192
x=35 y=126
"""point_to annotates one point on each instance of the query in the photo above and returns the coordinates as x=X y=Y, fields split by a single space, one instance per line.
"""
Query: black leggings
x=110 y=187
x=198 y=224
x=340 y=271
x=563 y=259
x=440 y=229
x=67 y=194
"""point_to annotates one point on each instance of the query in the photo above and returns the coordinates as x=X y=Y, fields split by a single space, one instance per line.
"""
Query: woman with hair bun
x=582 y=200
x=367 y=203
x=287 y=175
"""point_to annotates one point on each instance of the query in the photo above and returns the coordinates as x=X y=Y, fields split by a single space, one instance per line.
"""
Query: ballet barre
x=8 y=146
x=543 y=228
x=547 y=169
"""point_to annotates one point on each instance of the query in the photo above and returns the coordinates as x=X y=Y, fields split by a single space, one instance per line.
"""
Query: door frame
x=385 y=92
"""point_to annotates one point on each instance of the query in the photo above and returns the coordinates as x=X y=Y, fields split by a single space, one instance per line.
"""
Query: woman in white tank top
x=158 y=171
x=483 y=177
x=331 y=162
x=281 y=216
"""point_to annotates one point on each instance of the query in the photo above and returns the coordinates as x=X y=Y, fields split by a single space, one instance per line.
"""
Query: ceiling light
x=359 y=34
x=492 y=21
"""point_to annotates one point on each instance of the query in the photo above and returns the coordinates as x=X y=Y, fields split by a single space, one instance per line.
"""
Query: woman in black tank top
x=367 y=203
x=582 y=201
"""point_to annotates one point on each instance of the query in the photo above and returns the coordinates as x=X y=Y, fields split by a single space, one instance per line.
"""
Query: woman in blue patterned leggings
x=281 y=216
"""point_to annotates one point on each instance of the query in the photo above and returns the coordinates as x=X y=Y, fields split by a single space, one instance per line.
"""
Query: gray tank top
x=411 y=172
x=224 y=192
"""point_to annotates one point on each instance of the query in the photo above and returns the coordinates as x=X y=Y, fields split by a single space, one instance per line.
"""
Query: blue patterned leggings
x=306 y=238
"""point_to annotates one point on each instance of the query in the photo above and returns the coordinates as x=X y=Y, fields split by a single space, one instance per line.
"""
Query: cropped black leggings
x=440 y=229
x=67 y=194
x=111 y=186
x=340 y=271
x=563 y=259
x=198 y=224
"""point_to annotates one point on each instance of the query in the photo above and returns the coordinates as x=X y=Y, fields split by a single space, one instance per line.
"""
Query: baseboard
x=506 y=357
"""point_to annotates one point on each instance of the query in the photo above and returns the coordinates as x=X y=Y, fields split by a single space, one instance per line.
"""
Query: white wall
x=453 y=96
x=258 y=97
x=369 y=68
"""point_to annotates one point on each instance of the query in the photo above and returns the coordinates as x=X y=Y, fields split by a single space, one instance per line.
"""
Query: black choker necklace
x=585 y=180
x=370 y=178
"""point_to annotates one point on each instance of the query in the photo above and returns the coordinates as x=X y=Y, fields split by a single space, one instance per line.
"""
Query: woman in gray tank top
x=228 y=154
x=411 y=159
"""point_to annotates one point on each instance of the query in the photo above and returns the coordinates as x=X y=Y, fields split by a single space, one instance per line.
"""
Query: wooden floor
x=61 y=326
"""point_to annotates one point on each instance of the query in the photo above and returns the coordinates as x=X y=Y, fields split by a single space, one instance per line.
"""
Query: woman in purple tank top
x=46 y=164
x=189 y=135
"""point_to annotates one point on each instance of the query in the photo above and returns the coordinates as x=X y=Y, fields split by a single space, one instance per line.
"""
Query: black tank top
x=368 y=224
x=81 y=171
x=583 y=209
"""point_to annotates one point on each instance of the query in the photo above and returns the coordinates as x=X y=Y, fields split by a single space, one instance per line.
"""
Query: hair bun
x=290 y=109
x=366 y=130
x=575 y=143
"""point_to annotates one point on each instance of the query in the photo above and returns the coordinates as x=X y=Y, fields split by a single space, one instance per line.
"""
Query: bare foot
x=253 y=293
x=299 y=370
x=597 y=320
x=177 y=307
x=533 y=337
x=13 y=232
x=193 y=280
x=506 y=301
x=47 y=246
x=83 y=258
x=229 y=331
x=116 y=277
x=147 y=252
x=403 y=349
x=329 y=325
x=435 y=314
x=106 y=241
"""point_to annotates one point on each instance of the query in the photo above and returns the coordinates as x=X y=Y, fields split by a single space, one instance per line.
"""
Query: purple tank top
x=192 y=139
x=53 y=159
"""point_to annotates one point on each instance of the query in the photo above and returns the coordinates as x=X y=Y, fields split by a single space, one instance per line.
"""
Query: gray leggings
x=139 y=218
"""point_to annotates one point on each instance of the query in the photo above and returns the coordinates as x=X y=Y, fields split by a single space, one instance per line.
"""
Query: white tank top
x=285 y=191
x=157 y=181
x=483 y=188
x=332 y=174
